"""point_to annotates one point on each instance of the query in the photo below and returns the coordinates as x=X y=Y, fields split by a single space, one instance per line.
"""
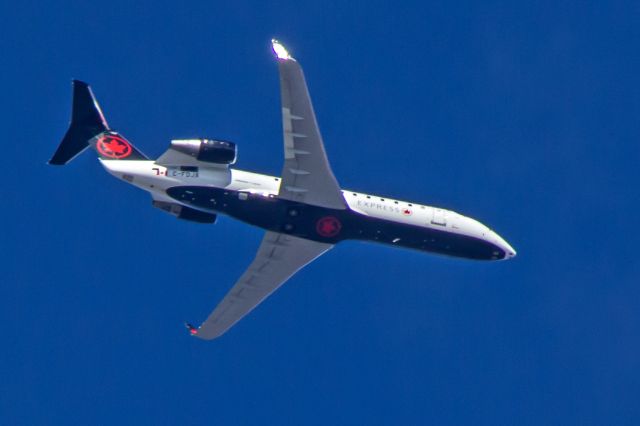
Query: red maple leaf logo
x=328 y=226
x=113 y=146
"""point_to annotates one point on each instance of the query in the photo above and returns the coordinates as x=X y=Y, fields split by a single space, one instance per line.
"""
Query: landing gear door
x=439 y=217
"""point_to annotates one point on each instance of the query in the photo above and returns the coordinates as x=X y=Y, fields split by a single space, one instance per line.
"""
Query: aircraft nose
x=476 y=229
x=509 y=251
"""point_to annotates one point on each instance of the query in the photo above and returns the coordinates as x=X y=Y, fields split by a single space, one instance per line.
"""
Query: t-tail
x=88 y=127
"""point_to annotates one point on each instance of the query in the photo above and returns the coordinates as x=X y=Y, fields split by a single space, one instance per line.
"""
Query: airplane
x=304 y=211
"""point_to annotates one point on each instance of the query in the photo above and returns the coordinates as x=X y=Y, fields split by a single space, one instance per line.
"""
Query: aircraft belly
x=259 y=206
x=329 y=225
x=266 y=212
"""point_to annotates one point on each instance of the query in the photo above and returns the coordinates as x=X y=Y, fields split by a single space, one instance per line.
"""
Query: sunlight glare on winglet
x=280 y=50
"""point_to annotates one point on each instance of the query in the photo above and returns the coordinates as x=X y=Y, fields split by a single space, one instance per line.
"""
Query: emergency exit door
x=439 y=217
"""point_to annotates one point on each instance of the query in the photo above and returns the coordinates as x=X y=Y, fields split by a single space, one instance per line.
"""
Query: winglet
x=192 y=330
x=280 y=51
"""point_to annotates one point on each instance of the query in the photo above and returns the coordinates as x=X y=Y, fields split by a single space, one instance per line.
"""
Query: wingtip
x=280 y=51
x=192 y=330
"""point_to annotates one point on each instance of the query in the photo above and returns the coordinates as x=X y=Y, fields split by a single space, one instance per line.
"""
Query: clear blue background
x=523 y=115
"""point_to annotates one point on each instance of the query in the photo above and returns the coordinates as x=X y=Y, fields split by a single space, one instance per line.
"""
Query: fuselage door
x=439 y=217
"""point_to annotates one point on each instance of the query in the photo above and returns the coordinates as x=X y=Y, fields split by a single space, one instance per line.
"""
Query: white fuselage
x=156 y=179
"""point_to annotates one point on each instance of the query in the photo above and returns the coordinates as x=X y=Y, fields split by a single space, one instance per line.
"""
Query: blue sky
x=524 y=116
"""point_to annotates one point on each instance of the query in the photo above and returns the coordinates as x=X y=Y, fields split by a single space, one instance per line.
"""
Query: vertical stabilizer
x=89 y=128
x=87 y=121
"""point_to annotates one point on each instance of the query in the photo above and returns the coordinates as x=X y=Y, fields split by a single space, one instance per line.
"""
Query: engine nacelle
x=207 y=150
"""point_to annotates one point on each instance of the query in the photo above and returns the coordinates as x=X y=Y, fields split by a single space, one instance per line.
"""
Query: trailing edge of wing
x=278 y=258
x=306 y=175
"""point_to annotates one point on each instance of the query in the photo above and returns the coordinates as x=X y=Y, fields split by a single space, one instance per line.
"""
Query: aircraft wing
x=306 y=175
x=278 y=258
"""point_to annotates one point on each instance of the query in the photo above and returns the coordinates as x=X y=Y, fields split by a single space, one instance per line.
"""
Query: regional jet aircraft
x=304 y=212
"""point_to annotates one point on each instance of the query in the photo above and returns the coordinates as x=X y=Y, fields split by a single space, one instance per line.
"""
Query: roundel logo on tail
x=328 y=226
x=113 y=146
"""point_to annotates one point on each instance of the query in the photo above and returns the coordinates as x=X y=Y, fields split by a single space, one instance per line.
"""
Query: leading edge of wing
x=278 y=258
x=306 y=175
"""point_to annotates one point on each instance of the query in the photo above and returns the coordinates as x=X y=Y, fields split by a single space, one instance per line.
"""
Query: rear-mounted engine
x=207 y=150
